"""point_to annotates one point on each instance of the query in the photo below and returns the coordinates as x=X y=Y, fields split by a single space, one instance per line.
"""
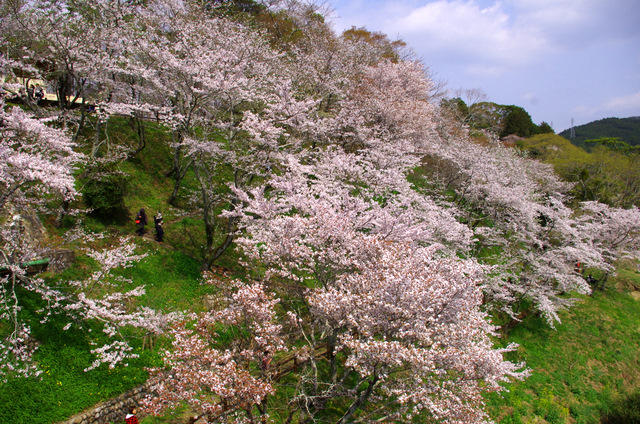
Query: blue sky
x=558 y=59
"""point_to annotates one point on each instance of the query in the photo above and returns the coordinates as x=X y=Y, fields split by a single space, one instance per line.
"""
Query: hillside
x=585 y=370
x=626 y=129
x=337 y=247
x=606 y=175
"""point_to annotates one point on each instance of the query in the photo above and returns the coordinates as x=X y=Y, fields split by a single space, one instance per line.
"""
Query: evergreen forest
x=626 y=130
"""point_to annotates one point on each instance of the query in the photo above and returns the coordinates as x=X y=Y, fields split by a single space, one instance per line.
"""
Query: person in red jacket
x=131 y=416
x=141 y=221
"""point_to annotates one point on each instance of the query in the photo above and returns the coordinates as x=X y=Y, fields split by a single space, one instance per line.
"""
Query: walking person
x=141 y=221
x=157 y=221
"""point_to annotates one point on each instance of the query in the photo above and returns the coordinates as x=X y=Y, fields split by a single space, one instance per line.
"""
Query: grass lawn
x=585 y=371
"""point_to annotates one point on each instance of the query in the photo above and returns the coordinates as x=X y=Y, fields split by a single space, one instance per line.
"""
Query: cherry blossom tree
x=97 y=301
x=410 y=328
x=518 y=209
x=334 y=245
x=402 y=336
x=55 y=39
x=328 y=224
x=36 y=159
x=38 y=163
x=221 y=90
x=205 y=71
x=222 y=381
x=70 y=47
x=338 y=219
x=613 y=233
x=311 y=216
x=39 y=159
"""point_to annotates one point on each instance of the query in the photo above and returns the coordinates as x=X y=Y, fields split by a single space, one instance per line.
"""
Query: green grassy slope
x=585 y=371
x=172 y=280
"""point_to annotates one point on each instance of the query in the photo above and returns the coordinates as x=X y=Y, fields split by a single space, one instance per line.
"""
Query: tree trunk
x=138 y=122
x=83 y=114
x=178 y=168
x=179 y=176
x=96 y=139
x=62 y=212
x=364 y=396
x=177 y=154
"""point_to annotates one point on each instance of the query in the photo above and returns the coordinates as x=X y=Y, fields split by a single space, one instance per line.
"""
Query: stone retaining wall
x=111 y=411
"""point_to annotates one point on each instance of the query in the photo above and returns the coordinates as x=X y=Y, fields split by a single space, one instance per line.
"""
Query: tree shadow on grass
x=625 y=411
x=115 y=216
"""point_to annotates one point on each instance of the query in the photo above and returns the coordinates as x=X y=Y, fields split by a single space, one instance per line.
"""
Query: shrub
x=105 y=192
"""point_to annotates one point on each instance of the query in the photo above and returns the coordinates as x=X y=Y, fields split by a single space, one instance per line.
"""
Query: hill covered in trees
x=503 y=120
x=626 y=130
x=341 y=244
x=608 y=172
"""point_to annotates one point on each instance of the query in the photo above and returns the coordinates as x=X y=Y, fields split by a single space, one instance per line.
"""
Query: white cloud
x=499 y=36
x=549 y=13
x=463 y=30
x=581 y=22
x=531 y=98
x=632 y=101
x=575 y=55
x=584 y=113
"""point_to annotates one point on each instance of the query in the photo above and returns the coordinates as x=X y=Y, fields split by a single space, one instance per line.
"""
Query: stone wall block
x=112 y=410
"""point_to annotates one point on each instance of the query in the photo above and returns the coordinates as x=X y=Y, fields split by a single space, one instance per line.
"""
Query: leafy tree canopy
x=625 y=129
x=501 y=119
x=390 y=49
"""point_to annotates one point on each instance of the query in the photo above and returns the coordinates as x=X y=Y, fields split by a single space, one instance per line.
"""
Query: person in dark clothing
x=157 y=220
x=39 y=94
x=141 y=221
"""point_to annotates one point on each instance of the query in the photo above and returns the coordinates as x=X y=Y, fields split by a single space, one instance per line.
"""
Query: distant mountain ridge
x=625 y=129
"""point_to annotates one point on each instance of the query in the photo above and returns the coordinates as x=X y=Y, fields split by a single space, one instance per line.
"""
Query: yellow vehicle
x=32 y=87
